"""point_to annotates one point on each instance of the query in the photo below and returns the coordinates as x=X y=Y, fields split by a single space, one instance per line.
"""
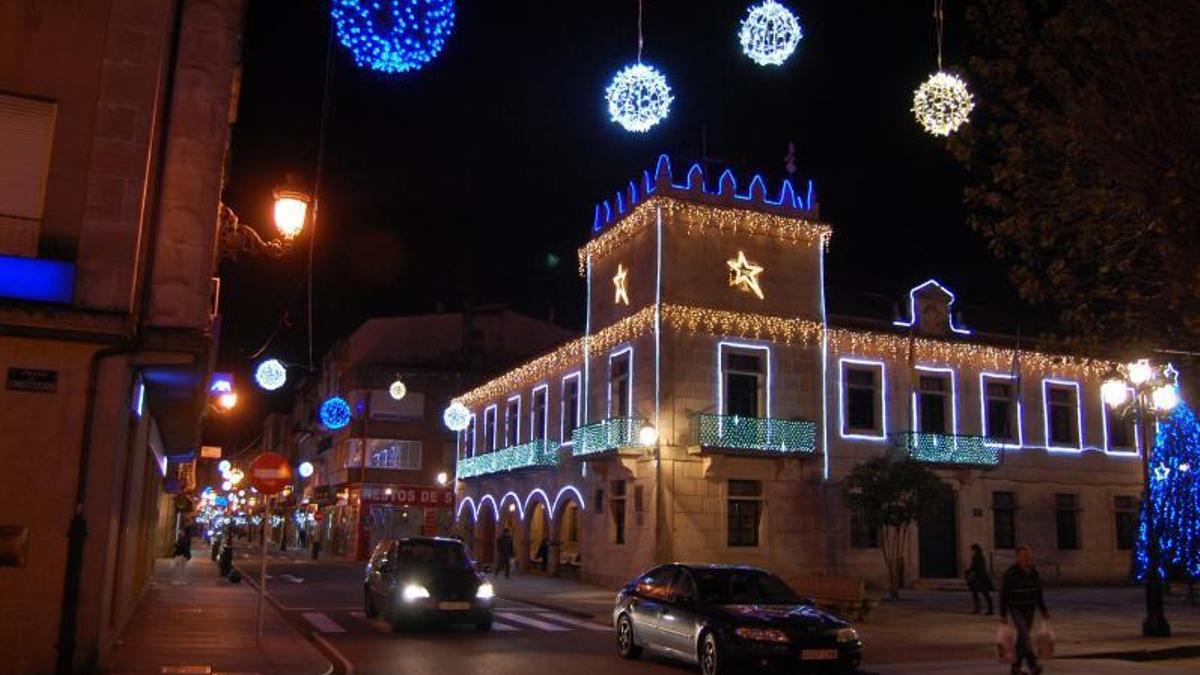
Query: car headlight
x=847 y=635
x=762 y=634
x=486 y=591
x=414 y=592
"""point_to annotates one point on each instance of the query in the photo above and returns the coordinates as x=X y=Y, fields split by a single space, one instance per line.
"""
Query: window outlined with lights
x=743 y=379
x=539 y=404
x=467 y=438
x=1000 y=410
x=1121 y=435
x=620 y=383
x=512 y=421
x=1062 y=415
x=862 y=399
x=489 y=428
x=570 y=410
x=933 y=386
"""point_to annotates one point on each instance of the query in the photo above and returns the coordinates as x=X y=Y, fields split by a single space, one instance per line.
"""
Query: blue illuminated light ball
x=270 y=374
x=639 y=97
x=335 y=413
x=770 y=33
x=393 y=36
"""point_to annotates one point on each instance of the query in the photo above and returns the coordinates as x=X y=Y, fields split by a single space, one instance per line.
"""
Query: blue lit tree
x=1174 y=502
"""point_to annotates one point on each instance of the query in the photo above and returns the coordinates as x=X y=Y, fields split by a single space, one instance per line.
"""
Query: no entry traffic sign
x=270 y=472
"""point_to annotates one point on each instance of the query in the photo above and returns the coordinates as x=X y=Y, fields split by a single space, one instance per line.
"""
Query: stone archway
x=537 y=519
x=566 y=535
x=486 y=533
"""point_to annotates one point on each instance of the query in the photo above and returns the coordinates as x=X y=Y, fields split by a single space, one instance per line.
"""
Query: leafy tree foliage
x=891 y=496
x=1084 y=161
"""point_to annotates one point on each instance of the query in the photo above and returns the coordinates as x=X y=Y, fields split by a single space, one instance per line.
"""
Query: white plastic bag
x=1006 y=644
x=1043 y=640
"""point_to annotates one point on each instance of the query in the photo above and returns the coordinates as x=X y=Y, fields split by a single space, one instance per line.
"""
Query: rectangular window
x=864 y=409
x=620 y=394
x=1063 y=417
x=1000 y=408
x=1004 y=520
x=744 y=512
x=1125 y=510
x=745 y=373
x=570 y=406
x=27 y=136
x=863 y=534
x=537 y=414
x=616 y=504
x=512 y=422
x=932 y=405
x=489 y=428
x=1119 y=430
x=1066 y=519
x=468 y=440
x=639 y=504
x=391 y=454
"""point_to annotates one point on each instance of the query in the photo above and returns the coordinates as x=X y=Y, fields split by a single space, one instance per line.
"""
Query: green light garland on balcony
x=611 y=434
x=535 y=454
x=756 y=434
x=948 y=449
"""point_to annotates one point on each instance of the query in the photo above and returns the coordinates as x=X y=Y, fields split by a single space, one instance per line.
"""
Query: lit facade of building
x=714 y=405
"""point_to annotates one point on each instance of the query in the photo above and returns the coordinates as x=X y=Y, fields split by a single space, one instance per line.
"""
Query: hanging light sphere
x=770 y=33
x=393 y=36
x=397 y=390
x=224 y=466
x=638 y=97
x=942 y=104
x=305 y=469
x=270 y=374
x=1165 y=398
x=456 y=417
x=335 y=413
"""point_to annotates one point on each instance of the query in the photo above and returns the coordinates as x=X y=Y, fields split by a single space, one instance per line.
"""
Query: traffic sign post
x=270 y=472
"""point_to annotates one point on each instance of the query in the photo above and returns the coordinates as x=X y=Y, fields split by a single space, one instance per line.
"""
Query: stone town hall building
x=713 y=407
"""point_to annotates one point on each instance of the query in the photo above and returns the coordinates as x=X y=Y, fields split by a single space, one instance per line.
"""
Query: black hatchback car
x=728 y=619
x=419 y=580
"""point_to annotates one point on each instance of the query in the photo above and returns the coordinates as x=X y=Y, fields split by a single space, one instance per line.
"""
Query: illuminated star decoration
x=622 y=288
x=1171 y=374
x=942 y=104
x=1161 y=472
x=393 y=36
x=743 y=274
x=638 y=97
x=770 y=33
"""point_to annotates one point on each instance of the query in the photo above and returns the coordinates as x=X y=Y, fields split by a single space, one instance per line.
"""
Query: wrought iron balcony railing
x=612 y=434
x=947 y=449
x=756 y=434
x=539 y=454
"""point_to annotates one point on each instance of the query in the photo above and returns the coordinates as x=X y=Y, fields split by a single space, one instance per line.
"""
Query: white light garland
x=770 y=33
x=942 y=104
x=639 y=97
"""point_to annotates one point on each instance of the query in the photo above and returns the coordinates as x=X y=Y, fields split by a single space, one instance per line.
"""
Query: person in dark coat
x=504 y=551
x=543 y=554
x=1021 y=593
x=978 y=579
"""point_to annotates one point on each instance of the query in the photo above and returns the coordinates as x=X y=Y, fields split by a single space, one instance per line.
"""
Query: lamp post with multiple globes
x=1145 y=392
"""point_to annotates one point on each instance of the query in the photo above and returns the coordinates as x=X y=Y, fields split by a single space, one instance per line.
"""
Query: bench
x=844 y=596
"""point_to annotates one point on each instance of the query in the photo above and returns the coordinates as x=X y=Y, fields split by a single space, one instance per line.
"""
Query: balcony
x=539 y=454
x=947 y=449
x=614 y=434
x=735 y=434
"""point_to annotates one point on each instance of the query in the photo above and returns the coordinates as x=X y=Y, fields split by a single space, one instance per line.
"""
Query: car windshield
x=441 y=554
x=742 y=587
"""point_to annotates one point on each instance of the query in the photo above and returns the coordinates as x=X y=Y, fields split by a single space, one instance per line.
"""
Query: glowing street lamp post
x=290 y=214
x=1153 y=395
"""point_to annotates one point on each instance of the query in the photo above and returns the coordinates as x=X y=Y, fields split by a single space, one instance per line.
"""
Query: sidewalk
x=935 y=626
x=197 y=622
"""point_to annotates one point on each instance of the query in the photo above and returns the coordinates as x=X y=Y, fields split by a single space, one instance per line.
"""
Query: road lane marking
x=570 y=621
x=322 y=622
x=542 y=625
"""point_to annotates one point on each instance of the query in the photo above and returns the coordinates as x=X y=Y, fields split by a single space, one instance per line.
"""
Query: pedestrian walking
x=978 y=579
x=504 y=551
x=1021 y=593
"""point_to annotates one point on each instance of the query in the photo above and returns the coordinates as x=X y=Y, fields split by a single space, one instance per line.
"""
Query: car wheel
x=369 y=605
x=626 y=646
x=712 y=660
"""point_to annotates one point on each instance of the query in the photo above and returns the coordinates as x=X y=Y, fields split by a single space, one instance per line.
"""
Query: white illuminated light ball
x=270 y=374
x=397 y=390
x=305 y=469
x=442 y=478
x=1166 y=397
x=225 y=466
x=1140 y=372
x=639 y=97
x=770 y=33
x=648 y=435
x=1115 y=393
x=456 y=417
x=942 y=104
x=226 y=486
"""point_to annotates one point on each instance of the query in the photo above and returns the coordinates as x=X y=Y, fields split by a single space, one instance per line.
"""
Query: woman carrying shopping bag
x=1021 y=592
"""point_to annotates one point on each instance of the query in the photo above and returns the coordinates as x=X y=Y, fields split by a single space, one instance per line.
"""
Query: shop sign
x=411 y=495
x=33 y=379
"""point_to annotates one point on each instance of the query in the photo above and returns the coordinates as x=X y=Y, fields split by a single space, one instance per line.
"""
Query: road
x=323 y=600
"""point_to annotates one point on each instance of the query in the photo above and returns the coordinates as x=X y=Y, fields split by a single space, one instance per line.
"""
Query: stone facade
x=749 y=406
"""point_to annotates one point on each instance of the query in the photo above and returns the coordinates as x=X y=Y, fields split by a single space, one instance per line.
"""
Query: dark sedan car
x=726 y=618
x=417 y=580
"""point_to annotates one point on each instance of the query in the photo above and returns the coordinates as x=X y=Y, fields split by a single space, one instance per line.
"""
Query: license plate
x=454 y=606
x=819 y=655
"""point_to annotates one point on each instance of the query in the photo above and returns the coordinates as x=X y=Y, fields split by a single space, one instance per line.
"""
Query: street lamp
x=1145 y=391
x=290 y=214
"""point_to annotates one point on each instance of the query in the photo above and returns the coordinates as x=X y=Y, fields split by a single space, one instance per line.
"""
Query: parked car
x=729 y=619
x=424 y=579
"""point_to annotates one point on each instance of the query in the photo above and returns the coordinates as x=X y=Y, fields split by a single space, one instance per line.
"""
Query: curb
x=1180 y=652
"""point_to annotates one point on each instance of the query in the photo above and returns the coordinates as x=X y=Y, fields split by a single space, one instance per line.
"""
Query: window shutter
x=26 y=134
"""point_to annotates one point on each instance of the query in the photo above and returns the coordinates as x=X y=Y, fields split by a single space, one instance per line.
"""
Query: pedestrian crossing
x=507 y=619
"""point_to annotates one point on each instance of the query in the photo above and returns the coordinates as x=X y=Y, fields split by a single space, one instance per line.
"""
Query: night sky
x=465 y=181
